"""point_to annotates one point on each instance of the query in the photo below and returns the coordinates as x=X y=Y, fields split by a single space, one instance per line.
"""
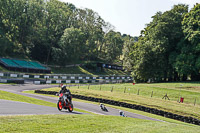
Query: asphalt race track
x=20 y=108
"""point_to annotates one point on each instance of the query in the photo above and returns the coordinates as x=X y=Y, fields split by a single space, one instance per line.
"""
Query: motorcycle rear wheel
x=71 y=108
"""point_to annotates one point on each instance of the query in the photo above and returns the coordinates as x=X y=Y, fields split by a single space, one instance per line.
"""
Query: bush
x=91 y=66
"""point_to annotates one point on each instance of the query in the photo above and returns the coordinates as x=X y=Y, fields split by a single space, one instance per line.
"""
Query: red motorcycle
x=64 y=104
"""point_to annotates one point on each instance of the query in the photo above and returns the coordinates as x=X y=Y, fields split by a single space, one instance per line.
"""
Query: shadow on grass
x=65 y=111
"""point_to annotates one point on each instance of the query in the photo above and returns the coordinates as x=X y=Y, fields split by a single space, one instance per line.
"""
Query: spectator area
x=36 y=64
x=24 y=65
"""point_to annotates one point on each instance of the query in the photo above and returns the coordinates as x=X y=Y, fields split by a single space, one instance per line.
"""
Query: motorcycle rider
x=66 y=93
x=121 y=113
x=101 y=105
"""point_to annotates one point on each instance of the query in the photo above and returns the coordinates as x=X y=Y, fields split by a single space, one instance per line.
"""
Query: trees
x=154 y=53
x=36 y=14
x=112 y=47
x=188 y=62
x=92 y=25
x=20 y=20
x=36 y=29
x=6 y=46
x=56 y=17
x=127 y=48
x=171 y=21
x=168 y=48
x=71 y=46
x=11 y=14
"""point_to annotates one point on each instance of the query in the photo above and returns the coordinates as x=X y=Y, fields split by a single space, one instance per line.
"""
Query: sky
x=129 y=16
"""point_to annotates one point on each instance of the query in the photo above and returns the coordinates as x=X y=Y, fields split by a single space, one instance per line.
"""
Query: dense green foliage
x=168 y=48
x=55 y=32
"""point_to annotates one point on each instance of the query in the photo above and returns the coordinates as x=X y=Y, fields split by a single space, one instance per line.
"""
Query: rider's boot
x=70 y=101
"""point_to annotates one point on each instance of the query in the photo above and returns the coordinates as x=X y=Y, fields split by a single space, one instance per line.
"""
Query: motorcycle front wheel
x=59 y=105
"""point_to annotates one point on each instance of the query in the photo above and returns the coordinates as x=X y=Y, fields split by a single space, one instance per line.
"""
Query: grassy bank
x=88 y=123
x=82 y=70
x=15 y=97
x=141 y=94
x=77 y=70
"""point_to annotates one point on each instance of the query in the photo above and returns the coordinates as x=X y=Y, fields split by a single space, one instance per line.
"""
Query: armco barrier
x=77 y=81
x=66 y=76
x=16 y=81
x=132 y=106
x=69 y=78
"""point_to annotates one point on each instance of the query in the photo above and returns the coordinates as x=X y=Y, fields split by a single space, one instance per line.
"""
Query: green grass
x=189 y=91
x=69 y=70
x=77 y=70
x=2 y=69
x=89 y=124
x=112 y=72
x=82 y=70
x=15 y=97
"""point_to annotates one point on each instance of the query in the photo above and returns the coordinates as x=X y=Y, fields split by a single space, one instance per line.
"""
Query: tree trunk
x=165 y=76
x=184 y=78
x=195 y=77
x=176 y=77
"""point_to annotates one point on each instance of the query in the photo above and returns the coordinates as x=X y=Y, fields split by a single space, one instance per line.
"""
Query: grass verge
x=88 y=123
x=15 y=97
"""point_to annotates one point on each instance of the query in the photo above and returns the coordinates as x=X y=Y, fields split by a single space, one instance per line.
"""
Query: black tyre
x=59 y=105
x=71 y=108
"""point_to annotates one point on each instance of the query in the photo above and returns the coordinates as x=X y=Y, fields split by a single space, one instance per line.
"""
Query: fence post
x=129 y=91
x=152 y=94
x=100 y=87
x=138 y=92
x=178 y=100
x=194 y=101
x=78 y=86
x=112 y=89
x=125 y=90
x=88 y=87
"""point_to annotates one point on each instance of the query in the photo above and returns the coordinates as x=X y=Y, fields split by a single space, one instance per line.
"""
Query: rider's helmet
x=63 y=87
